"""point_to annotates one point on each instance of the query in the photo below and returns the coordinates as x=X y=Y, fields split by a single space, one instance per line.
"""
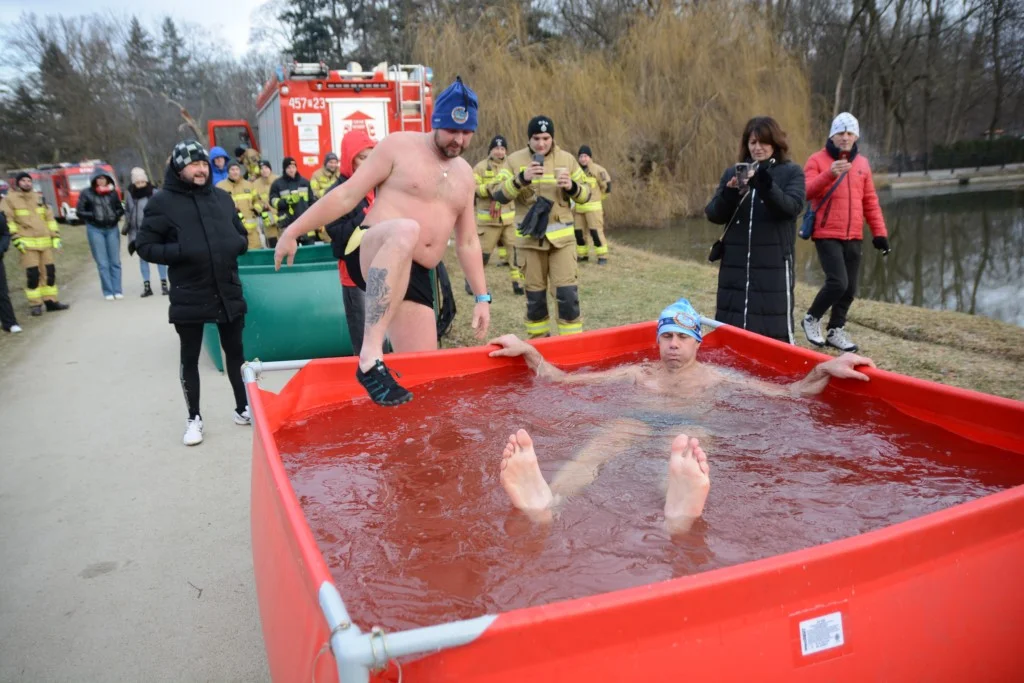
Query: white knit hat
x=843 y=123
x=138 y=175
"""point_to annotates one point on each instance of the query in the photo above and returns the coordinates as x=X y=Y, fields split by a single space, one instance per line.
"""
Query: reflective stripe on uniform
x=601 y=250
x=36 y=242
x=48 y=291
x=589 y=207
x=22 y=212
x=558 y=230
x=569 y=328
x=538 y=328
x=34 y=296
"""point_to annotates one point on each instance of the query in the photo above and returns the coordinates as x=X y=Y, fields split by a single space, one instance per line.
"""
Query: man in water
x=423 y=189
x=678 y=375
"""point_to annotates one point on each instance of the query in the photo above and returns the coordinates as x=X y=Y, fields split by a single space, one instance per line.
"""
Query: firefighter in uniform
x=290 y=196
x=250 y=162
x=246 y=202
x=495 y=221
x=268 y=216
x=35 y=234
x=550 y=259
x=589 y=216
x=323 y=180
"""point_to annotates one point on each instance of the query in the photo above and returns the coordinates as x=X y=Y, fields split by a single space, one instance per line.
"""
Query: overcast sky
x=229 y=19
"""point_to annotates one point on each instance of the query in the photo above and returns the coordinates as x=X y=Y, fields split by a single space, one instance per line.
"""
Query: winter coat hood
x=217 y=174
x=352 y=144
x=101 y=173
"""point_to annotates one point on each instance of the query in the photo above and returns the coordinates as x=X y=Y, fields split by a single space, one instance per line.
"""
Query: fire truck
x=62 y=183
x=304 y=112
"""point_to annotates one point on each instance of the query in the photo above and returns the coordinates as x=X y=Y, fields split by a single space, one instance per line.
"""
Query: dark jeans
x=840 y=259
x=7 y=319
x=192 y=343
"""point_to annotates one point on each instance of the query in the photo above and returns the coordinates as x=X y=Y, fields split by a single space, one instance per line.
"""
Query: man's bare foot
x=522 y=479
x=688 y=484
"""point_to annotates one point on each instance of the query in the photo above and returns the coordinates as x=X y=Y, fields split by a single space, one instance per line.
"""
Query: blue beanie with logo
x=455 y=108
x=680 y=317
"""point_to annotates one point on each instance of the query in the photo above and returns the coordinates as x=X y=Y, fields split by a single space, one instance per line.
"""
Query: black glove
x=762 y=180
x=131 y=248
x=882 y=244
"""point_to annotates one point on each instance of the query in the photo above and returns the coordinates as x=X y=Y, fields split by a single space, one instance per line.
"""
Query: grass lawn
x=958 y=349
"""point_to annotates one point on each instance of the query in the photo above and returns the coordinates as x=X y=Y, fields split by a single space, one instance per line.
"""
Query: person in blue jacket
x=219 y=161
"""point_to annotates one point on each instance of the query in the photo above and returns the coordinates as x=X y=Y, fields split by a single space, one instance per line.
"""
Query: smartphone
x=742 y=170
x=844 y=156
x=539 y=158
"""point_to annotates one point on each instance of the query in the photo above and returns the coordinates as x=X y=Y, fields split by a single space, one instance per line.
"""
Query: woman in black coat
x=194 y=229
x=759 y=208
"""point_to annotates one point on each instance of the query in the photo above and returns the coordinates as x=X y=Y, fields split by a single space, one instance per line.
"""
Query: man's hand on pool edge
x=511 y=346
x=844 y=366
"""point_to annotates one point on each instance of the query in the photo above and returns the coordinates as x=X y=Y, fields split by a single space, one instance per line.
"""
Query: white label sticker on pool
x=821 y=633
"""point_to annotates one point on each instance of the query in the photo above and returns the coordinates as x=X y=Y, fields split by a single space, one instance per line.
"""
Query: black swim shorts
x=419 y=290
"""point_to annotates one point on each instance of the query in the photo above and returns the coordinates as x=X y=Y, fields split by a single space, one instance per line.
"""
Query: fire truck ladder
x=398 y=72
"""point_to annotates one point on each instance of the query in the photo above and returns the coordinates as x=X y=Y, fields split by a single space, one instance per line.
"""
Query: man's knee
x=568 y=302
x=536 y=305
x=405 y=232
x=32 y=277
x=837 y=282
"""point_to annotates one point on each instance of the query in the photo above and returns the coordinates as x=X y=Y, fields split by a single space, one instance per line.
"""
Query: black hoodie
x=101 y=210
x=197 y=232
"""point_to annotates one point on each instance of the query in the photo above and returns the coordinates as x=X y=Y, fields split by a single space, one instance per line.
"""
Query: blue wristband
x=483 y=298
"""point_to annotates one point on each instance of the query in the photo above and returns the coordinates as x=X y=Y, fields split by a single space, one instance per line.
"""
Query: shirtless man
x=676 y=375
x=423 y=190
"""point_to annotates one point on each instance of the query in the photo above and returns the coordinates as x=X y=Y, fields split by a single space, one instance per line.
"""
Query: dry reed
x=663 y=110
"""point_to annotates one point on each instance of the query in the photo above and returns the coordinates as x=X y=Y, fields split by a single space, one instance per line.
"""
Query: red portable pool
x=936 y=598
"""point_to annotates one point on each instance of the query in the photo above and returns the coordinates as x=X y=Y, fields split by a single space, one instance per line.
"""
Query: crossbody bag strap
x=828 y=195
x=727 y=225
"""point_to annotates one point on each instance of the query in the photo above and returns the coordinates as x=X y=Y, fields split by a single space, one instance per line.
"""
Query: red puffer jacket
x=853 y=201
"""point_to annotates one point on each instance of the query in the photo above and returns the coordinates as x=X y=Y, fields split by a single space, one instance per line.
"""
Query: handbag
x=807 y=227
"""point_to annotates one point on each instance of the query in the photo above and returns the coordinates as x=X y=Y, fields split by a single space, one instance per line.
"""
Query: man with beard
x=424 y=191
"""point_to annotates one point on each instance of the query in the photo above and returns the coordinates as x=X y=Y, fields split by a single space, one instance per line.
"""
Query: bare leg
x=525 y=485
x=688 y=484
x=413 y=328
x=385 y=259
x=522 y=479
x=613 y=439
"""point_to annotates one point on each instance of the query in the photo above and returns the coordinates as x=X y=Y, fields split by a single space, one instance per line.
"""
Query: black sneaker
x=382 y=387
x=56 y=306
x=36 y=311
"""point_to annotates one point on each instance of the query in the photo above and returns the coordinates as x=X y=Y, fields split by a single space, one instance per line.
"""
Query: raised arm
x=339 y=201
x=512 y=346
x=843 y=367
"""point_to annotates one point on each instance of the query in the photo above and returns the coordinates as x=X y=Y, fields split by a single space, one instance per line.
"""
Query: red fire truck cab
x=62 y=183
x=305 y=112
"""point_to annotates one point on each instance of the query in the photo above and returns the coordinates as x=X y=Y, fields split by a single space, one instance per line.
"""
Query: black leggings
x=840 y=259
x=192 y=344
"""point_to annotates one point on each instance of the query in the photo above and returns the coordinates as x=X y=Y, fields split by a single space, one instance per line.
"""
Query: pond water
x=952 y=248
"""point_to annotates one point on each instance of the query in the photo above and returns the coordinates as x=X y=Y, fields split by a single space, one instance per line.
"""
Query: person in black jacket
x=291 y=195
x=99 y=207
x=193 y=228
x=8 y=322
x=759 y=209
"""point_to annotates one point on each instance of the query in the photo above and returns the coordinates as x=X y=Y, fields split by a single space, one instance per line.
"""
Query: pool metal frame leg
x=356 y=653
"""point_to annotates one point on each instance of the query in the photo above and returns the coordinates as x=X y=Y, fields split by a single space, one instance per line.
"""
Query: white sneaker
x=193 y=432
x=119 y=296
x=109 y=297
x=243 y=418
x=812 y=330
x=838 y=338
x=15 y=329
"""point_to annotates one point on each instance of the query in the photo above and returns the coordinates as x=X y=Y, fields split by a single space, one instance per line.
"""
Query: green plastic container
x=297 y=312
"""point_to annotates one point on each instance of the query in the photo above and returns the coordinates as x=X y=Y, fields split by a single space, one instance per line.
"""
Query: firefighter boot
x=37 y=310
x=56 y=306
x=146 y=290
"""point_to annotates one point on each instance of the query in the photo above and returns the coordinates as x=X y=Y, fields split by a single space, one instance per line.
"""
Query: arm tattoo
x=378 y=295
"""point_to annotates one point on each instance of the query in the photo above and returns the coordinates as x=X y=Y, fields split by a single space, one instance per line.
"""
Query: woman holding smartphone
x=758 y=200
